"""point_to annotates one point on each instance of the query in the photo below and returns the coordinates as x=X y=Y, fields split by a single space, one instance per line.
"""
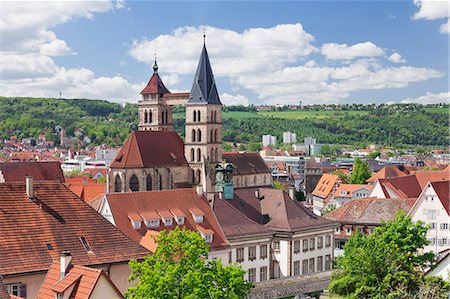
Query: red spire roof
x=155 y=85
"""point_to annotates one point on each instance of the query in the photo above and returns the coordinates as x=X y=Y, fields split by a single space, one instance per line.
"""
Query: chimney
x=64 y=262
x=291 y=193
x=29 y=186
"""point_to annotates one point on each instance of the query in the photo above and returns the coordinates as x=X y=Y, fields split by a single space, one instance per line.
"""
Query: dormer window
x=135 y=220
x=168 y=221
x=179 y=216
x=208 y=238
x=343 y=192
x=197 y=214
x=136 y=224
x=180 y=220
x=152 y=223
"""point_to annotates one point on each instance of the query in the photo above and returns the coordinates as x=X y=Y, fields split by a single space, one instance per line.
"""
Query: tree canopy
x=179 y=269
x=360 y=172
x=387 y=263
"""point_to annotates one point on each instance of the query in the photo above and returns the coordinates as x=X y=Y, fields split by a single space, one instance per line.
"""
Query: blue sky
x=262 y=52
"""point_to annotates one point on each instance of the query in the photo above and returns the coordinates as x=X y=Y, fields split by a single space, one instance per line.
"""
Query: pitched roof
x=155 y=84
x=386 y=173
x=43 y=171
x=442 y=191
x=370 y=210
x=149 y=205
x=349 y=189
x=246 y=162
x=312 y=163
x=403 y=187
x=88 y=191
x=145 y=149
x=325 y=185
x=82 y=279
x=425 y=176
x=204 y=90
x=33 y=233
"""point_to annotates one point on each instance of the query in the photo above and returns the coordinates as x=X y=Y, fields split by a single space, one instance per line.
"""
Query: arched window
x=199 y=155
x=215 y=135
x=160 y=183
x=117 y=184
x=212 y=116
x=195 y=116
x=162 y=117
x=199 y=135
x=198 y=115
x=211 y=136
x=145 y=116
x=211 y=156
x=216 y=155
x=150 y=113
x=192 y=155
x=192 y=176
x=134 y=183
x=170 y=179
x=215 y=116
x=193 y=135
x=254 y=180
x=149 y=182
x=167 y=116
x=198 y=176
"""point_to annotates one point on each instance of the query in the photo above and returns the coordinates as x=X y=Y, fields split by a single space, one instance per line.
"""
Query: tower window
x=199 y=155
x=215 y=135
x=167 y=116
x=199 y=135
x=134 y=183
x=195 y=116
x=193 y=135
x=145 y=116
x=117 y=184
x=198 y=115
x=211 y=136
x=149 y=182
x=150 y=116
x=192 y=155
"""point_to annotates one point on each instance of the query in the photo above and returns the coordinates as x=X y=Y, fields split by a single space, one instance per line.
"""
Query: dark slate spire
x=155 y=66
x=204 y=90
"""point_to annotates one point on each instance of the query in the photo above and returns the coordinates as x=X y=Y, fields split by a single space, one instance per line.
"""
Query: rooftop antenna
x=204 y=34
x=155 y=65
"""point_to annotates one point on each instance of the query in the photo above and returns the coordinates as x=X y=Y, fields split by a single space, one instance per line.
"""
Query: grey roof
x=204 y=90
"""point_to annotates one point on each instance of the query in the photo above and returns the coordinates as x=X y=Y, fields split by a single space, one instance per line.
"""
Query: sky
x=262 y=52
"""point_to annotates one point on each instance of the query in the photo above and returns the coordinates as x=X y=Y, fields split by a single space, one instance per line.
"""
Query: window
x=296 y=246
x=198 y=115
x=319 y=263
x=229 y=258
x=263 y=251
x=149 y=182
x=136 y=224
x=370 y=230
x=151 y=223
x=305 y=267
x=168 y=221
x=192 y=155
x=338 y=229
x=17 y=289
x=444 y=226
x=444 y=241
x=327 y=262
x=296 y=268
x=348 y=230
x=312 y=244
x=311 y=266
x=145 y=117
x=208 y=238
x=252 y=275
x=195 y=116
x=319 y=242
x=433 y=225
x=239 y=255
x=193 y=134
x=263 y=273
x=134 y=183
x=276 y=245
x=118 y=184
x=252 y=253
x=86 y=245
x=150 y=116
x=305 y=245
x=199 y=155
x=180 y=220
x=211 y=136
x=328 y=241
x=199 y=135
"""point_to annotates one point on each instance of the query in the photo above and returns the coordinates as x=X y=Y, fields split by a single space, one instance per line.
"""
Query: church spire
x=204 y=90
x=155 y=66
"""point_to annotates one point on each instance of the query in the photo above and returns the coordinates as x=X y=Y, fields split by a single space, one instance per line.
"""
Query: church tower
x=154 y=113
x=203 y=143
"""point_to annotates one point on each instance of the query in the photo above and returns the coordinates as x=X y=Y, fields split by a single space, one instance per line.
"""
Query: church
x=156 y=158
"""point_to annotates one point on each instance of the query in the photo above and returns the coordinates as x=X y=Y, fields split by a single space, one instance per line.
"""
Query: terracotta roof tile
x=348 y=189
x=442 y=190
x=405 y=186
x=386 y=173
x=149 y=202
x=32 y=233
x=425 y=176
x=145 y=149
x=155 y=86
x=247 y=163
x=325 y=185
x=42 y=171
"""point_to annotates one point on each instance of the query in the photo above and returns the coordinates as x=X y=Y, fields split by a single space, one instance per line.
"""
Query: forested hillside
x=110 y=123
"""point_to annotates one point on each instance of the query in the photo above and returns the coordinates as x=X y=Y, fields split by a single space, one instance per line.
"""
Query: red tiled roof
x=349 y=189
x=89 y=191
x=425 y=176
x=246 y=163
x=370 y=210
x=43 y=171
x=33 y=233
x=84 y=278
x=386 y=173
x=155 y=86
x=149 y=202
x=442 y=191
x=325 y=185
x=145 y=149
x=405 y=186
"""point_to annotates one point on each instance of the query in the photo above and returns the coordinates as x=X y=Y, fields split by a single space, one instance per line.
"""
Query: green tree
x=385 y=264
x=179 y=269
x=360 y=172
x=326 y=150
x=299 y=195
x=345 y=178
x=227 y=147
x=373 y=155
x=278 y=185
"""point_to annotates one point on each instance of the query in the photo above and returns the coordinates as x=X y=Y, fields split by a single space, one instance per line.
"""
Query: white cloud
x=433 y=10
x=228 y=99
x=170 y=80
x=55 y=48
x=430 y=98
x=396 y=58
x=344 y=52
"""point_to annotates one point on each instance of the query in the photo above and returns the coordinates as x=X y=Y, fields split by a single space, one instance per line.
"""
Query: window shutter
x=23 y=290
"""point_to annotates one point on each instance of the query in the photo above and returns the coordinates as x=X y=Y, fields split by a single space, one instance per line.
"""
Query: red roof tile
x=425 y=176
x=155 y=86
x=145 y=149
x=406 y=186
x=325 y=185
x=142 y=203
x=42 y=171
x=386 y=173
x=442 y=191
x=33 y=233
x=246 y=163
x=84 y=280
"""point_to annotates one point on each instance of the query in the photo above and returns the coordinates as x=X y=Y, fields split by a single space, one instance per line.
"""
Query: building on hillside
x=324 y=191
x=400 y=187
x=289 y=137
x=66 y=280
x=347 y=192
x=364 y=215
x=433 y=208
x=105 y=154
x=313 y=173
x=387 y=172
x=269 y=140
x=41 y=171
x=43 y=218
x=292 y=164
